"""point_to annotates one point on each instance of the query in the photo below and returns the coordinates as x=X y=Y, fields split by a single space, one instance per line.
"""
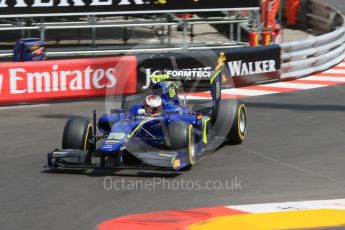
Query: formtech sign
x=79 y=78
x=12 y=8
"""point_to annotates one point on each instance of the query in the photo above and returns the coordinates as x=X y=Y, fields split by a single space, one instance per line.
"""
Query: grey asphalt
x=294 y=151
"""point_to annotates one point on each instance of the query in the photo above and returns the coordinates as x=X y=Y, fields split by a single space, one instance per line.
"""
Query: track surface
x=294 y=151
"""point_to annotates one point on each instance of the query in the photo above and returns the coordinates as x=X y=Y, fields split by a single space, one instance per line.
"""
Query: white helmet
x=153 y=105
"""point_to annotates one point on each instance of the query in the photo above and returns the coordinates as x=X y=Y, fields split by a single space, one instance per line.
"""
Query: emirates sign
x=23 y=82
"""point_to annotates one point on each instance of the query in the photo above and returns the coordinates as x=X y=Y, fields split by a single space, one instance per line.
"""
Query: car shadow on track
x=115 y=173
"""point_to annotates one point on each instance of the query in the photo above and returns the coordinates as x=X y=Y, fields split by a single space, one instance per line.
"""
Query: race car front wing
x=69 y=158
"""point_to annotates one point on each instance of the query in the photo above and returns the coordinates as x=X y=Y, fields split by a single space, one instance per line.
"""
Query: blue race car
x=160 y=133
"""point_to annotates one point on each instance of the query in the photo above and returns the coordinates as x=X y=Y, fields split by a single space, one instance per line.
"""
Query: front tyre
x=191 y=145
x=77 y=134
x=238 y=130
x=182 y=137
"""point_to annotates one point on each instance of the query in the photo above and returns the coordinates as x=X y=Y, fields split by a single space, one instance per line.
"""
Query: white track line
x=291 y=206
x=247 y=92
x=22 y=106
x=289 y=85
x=324 y=78
x=341 y=64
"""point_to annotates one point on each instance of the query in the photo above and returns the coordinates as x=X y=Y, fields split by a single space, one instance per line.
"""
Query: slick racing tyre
x=181 y=136
x=239 y=127
x=230 y=121
x=77 y=134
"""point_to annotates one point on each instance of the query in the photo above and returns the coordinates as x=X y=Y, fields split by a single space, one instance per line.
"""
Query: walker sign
x=244 y=66
x=241 y=68
x=79 y=78
x=11 y=8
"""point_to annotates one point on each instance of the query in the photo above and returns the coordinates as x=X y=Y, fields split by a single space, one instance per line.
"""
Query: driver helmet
x=153 y=105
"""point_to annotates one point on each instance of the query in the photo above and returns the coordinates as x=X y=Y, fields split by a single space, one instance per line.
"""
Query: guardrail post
x=169 y=29
x=239 y=32
x=42 y=30
x=184 y=25
x=93 y=21
x=23 y=32
x=192 y=35
x=231 y=35
x=125 y=33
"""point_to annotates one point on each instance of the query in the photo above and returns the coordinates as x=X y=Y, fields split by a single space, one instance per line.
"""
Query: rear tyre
x=239 y=127
x=181 y=136
x=77 y=134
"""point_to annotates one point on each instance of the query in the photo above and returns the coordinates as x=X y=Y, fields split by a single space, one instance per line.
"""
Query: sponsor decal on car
x=176 y=164
x=116 y=136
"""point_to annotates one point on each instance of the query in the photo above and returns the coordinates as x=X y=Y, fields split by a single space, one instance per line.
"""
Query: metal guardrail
x=302 y=58
x=165 y=23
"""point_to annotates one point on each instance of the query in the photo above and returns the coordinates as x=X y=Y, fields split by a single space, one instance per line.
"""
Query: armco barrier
x=302 y=58
x=67 y=79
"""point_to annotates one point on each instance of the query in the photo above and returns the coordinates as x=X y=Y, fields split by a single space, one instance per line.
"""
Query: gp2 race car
x=175 y=140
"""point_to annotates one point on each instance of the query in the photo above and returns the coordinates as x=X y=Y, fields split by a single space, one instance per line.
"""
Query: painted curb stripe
x=330 y=74
x=291 y=85
x=278 y=220
x=269 y=88
x=291 y=206
x=316 y=82
x=341 y=64
x=331 y=77
x=167 y=220
x=207 y=95
x=246 y=92
x=335 y=70
x=287 y=215
x=231 y=96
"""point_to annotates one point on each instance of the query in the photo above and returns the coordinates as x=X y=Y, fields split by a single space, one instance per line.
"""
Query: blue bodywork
x=129 y=130
x=131 y=137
